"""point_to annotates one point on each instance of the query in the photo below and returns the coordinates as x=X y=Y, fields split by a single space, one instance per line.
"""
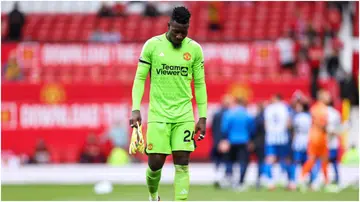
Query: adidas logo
x=161 y=54
x=183 y=192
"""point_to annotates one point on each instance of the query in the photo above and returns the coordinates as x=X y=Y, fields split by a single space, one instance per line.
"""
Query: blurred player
x=172 y=60
x=258 y=140
x=301 y=124
x=334 y=129
x=237 y=128
x=277 y=121
x=318 y=145
x=216 y=155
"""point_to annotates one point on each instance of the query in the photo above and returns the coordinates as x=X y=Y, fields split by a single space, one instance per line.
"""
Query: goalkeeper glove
x=137 y=140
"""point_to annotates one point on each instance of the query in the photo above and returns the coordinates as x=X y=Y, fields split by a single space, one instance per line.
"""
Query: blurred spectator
x=41 y=154
x=113 y=36
x=11 y=71
x=302 y=48
x=214 y=15
x=316 y=55
x=105 y=11
x=287 y=52
x=216 y=155
x=311 y=33
x=333 y=63
x=96 y=36
x=303 y=67
x=334 y=17
x=348 y=87
x=298 y=24
x=328 y=32
x=119 y=9
x=151 y=10
x=91 y=152
x=117 y=134
x=15 y=23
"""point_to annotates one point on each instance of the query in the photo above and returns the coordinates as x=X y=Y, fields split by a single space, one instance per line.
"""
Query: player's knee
x=181 y=158
x=155 y=167
x=156 y=162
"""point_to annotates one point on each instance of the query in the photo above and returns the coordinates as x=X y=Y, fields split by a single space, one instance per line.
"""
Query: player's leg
x=158 y=147
x=182 y=178
x=312 y=154
x=153 y=174
x=244 y=157
x=296 y=159
x=182 y=144
x=315 y=171
x=230 y=161
x=216 y=158
x=333 y=160
x=283 y=154
x=260 y=154
x=287 y=155
x=324 y=157
x=269 y=161
x=332 y=156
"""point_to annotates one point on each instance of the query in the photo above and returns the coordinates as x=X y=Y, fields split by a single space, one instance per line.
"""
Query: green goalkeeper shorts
x=163 y=138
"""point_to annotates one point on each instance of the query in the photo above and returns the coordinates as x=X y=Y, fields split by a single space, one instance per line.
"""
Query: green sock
x=182 y=182
x=152 y=181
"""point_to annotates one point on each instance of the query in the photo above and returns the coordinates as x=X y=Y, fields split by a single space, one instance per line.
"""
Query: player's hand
x=251 y=146
x=201 y=126
x=224 y=146
x=135 y=118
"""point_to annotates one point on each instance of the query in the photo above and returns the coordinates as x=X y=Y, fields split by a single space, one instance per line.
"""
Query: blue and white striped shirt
x=277 y=117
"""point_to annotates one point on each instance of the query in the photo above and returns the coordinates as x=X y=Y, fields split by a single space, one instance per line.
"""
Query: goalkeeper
x=172 y=60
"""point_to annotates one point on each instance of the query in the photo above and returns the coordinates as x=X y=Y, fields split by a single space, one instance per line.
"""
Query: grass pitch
x=139 y=193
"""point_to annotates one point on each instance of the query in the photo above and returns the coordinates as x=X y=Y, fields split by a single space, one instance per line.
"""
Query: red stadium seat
x=241 y=21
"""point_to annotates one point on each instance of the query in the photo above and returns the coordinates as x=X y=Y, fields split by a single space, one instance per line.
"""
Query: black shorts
x=239 y=153
x=260 y=153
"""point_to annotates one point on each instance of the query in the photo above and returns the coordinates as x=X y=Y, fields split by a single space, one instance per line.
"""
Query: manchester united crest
x=52 y=94
x=187 y=56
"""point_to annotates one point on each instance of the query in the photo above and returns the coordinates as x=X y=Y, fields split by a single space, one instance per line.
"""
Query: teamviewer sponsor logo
x=184 y=71
x=172 y=70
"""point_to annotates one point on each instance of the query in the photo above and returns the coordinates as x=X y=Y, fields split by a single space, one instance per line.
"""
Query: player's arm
x=200 y=90
x=142 y=71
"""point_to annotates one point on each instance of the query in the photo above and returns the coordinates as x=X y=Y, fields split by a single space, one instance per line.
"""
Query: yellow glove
x=137 y=140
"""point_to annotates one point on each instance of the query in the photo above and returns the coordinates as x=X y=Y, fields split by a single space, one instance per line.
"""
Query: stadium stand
x=240 y=22
x=259 y=21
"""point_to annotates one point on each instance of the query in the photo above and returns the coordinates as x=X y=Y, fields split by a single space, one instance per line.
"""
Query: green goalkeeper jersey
x=171 y=72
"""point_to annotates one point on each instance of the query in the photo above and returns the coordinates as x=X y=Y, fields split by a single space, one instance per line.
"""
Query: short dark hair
x=278 y=96
x=181 y=15
x=240 y=101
